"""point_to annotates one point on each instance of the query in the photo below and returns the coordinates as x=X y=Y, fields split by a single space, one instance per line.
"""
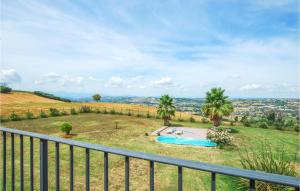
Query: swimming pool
x=186 y=141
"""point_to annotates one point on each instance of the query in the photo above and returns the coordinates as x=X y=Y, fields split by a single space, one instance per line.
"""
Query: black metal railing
x=251 y=175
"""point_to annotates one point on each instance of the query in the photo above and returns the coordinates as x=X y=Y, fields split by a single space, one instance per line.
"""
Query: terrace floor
x=188 y=132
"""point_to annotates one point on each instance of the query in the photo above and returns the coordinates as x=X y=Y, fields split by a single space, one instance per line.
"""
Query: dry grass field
x=22 y=102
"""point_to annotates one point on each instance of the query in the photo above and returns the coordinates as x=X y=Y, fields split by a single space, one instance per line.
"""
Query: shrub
x=297 y=127
x=54 y=112
x=279 y=125
x=63 y=113
x=2 y=119
x=73 y=111
x=51 y=96
x=85 y=109
x=232 y=130
x=219 y=135
x=263 y=125
x=231 y=123
x=112 y=112
x=14 y=117
x=247 y=123
x=66 y=128
x=180 y=119
x=43 y=114
x=204 y=120
x=98 y=111
x=139 y=115
x=29 y=115
x=148 y=115
x=129 y=113
x=266 y=159
x=105 y=111
x=5 y=89
x=192 y=120
x=146 y=134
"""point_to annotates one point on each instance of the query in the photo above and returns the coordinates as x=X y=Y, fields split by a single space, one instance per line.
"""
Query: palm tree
x=216 y=106
x=166 y=109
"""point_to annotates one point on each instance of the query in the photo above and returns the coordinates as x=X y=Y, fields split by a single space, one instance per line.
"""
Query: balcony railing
x=251 y=175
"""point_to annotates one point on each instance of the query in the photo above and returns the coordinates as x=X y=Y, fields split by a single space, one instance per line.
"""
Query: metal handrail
x=214 y=169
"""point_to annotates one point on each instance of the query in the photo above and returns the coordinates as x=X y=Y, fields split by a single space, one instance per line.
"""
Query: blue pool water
x=186 y=141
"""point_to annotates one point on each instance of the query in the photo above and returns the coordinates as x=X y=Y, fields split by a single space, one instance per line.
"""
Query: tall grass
x=266 y=158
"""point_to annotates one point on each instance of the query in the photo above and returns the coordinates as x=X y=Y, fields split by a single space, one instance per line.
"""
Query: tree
x=97 y=97
x=166 y=109
x=4 y=88
x=216 y=106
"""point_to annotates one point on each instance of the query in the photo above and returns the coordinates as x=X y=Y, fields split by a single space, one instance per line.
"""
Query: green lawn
x=100 y=129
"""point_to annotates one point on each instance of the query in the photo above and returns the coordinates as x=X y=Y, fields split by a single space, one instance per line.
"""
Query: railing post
x=21 y=163
x=213 y=181
x=252 y=185
x=87 y=169
x=12 y=145
x=105 y=171
x=4 y=161
x=126 y=173
x=57 y=181
x=31 y=165
x=43 y=165
x=151 y=176
x=179 y=178
x=71 y=168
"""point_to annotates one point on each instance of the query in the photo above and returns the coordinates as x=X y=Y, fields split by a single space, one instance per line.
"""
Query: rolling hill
x=24 y=97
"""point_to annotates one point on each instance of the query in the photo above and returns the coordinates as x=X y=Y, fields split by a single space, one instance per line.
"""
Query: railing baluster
x=126 y=173
x=12 y=144
x=43 y=165
x=4 y=161
x=31 y=165
x=71 y=168
x=213 y=181
x=179 y=178
x=87 y=169
x=57 y=182
x=252 y=185
x=151 y=176
x=21 y=163
x=105 y=171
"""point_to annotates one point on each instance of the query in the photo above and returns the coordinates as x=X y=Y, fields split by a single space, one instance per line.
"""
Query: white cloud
x=163 y=82
x=52 y=77
x=115 y=82
x=251 y=87
x=10 y=76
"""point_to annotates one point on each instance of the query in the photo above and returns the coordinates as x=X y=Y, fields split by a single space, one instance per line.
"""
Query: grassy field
x=22 y=102
x=100 y=129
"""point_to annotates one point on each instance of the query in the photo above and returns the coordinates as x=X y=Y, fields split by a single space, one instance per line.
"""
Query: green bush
x=14 y=117
x=231 y=123
x=5 y=89
x=43 y=114
x=204 y=120
x=66 y=128
x=263 y=125
x=148 y=115
x=97 y=111
x=247 y=123
x=63 y=112
x=180 y=119
x=279 y=125
x=51 y=96
x=297 y=127
x=219 y=135
x=29 y=115
x=192 y=120
x=105 y=111
x=2 y=119
x=112 y=112
x=129 y=113
x=54 y=112
x=85 y=109
x=73 y=111
x=232 y=130
x=266 y=159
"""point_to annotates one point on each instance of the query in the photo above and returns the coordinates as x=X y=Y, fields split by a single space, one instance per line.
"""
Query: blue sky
x=149 y=48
